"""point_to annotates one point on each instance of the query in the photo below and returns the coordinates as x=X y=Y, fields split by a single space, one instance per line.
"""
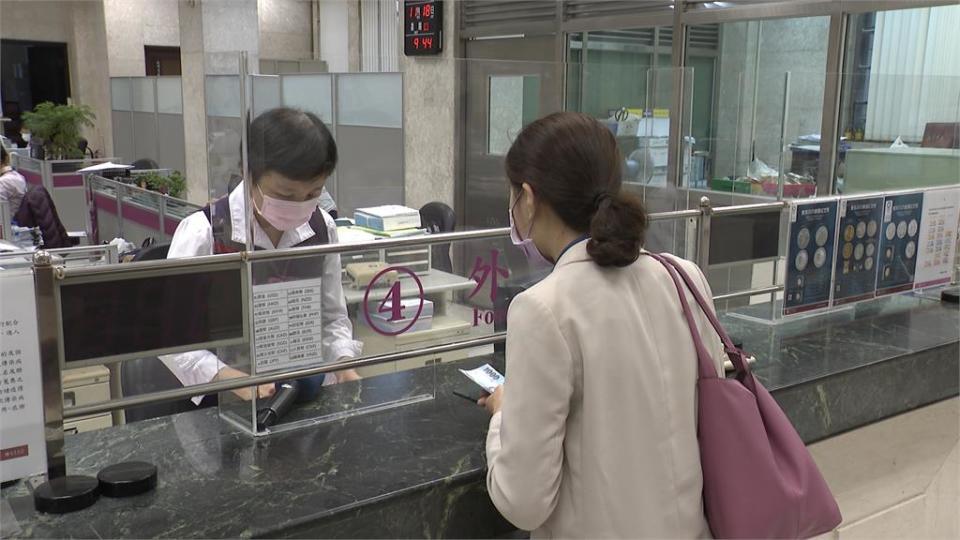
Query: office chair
x=144 y=164
x=145 y=375
x=38 y=210
x=439 y=218
x=152 y=252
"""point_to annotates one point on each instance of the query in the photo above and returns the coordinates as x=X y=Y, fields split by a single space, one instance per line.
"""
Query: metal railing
x=77 y=257
x=49 y=277
x=66 y=274
x=256 y=380
x=150 y=200
x=6 y=219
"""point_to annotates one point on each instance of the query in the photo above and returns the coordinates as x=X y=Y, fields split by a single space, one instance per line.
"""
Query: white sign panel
x=937 y=244
x=22 y=448
x=286 y=324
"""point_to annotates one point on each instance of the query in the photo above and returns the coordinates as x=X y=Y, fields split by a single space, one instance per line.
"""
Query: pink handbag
x=759 y=480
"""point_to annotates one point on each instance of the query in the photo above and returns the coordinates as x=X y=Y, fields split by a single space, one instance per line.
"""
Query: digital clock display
x=422 y=27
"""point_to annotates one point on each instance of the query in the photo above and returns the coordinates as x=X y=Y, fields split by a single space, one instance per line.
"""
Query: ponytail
x=617 y=229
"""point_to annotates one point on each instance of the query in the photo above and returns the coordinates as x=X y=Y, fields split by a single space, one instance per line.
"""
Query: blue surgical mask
x=536 y=259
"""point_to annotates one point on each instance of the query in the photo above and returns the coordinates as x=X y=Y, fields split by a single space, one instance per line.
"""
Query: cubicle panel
x=370 y=99
x=224 y=130
x=223 y=153
x=222 y=94
x=71 y=205
x=370 y=168
x=143 y=94
x=171 y=152
x=266 y=93
x=108 y=225
x=123 y=135
x=33 y=178
x=146 y=141
x=169 y=95
x=121 y=94
x=312 y=93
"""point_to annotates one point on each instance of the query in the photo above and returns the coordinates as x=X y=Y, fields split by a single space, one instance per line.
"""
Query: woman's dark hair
x=290 y=142
x=572 y=162
x=3 y=154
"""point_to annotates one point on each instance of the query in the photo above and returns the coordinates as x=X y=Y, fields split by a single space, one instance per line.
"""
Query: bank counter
x=397 y=454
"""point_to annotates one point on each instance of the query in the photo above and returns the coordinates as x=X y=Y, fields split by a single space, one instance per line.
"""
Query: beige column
x=92 y=82
x=430 y=116
x=212 y=34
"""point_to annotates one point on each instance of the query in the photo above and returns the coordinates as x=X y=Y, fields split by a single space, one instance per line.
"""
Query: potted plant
x=173 y=185
x=58 y=127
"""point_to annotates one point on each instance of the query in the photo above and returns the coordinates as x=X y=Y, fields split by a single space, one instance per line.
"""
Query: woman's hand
x=493 y=402
x=246 y=394
x=347 y=375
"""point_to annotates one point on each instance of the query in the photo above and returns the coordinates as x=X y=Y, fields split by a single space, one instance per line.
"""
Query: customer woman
x=594 y=433
x=291 y=155
x=12 y=184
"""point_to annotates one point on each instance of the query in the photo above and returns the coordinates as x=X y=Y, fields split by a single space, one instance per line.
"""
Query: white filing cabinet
x=444 y=330
x=82 y=386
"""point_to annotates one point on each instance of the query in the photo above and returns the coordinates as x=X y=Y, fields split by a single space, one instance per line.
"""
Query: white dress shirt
x=194 y=236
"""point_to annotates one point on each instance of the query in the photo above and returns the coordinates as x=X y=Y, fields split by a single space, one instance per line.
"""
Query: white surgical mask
x=537 y=260
x=285 y=215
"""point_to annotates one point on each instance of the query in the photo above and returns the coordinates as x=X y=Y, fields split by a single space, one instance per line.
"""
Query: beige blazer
x=597 y=436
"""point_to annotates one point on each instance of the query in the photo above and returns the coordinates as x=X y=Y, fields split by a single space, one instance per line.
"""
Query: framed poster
x=937 y=245
x=898 y=243
x=858 y=239
x=810 y=256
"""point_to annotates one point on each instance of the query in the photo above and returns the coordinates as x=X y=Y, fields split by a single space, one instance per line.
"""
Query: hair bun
x=617 y=230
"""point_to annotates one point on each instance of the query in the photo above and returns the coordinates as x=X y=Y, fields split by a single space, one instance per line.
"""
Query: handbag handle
x=736 y=355
x=704 y=361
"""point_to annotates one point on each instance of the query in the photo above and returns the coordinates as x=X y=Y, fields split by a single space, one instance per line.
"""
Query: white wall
x=79 y=24
x=285 y=29
x=429 y=85
x=133 y=24
x=334 y=35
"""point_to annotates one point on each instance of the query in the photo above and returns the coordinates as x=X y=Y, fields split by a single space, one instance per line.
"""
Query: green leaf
x=59 y=127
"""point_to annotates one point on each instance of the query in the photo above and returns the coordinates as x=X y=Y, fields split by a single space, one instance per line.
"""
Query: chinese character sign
x=487 y=272
x=22 y=451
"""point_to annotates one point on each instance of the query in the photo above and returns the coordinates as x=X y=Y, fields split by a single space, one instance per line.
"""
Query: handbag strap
x=704 y=361
x=736 y=355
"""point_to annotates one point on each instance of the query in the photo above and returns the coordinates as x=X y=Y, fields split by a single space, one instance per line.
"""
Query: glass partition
x=320 y=309
x=746 y=134
x=900 y=115
x=514 y=103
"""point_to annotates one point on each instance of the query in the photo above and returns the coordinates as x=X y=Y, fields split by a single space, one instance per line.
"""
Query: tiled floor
x=897 y=478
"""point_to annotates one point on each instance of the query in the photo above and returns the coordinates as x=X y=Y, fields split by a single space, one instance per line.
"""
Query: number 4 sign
x=392 y=302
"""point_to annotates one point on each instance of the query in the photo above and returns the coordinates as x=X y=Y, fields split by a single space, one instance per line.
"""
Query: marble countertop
x=840 y=371
x=418 y=470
